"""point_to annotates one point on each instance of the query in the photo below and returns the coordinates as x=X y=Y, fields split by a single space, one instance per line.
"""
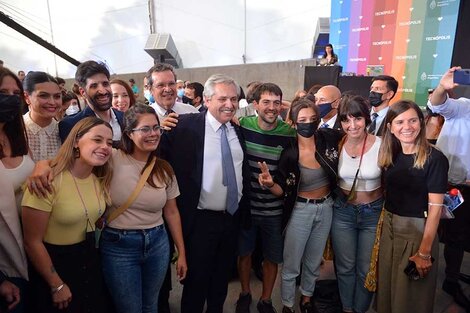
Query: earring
x=76 y=152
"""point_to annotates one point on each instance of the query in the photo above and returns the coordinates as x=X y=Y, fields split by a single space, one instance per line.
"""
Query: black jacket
x=327 y=154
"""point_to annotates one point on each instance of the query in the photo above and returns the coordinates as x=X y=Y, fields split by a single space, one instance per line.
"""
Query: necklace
x=83 y=202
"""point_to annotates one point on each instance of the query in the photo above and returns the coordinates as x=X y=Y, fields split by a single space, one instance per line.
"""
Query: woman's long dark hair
x=15 y=129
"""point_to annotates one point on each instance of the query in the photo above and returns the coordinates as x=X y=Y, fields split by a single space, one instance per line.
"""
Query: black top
x=407 y=188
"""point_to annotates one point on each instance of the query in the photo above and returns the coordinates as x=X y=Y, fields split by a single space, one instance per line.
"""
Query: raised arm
x=446 y=85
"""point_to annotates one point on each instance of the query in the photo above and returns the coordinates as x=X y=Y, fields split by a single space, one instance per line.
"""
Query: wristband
x=57 y=289
x=424 y=256
x=271 y=185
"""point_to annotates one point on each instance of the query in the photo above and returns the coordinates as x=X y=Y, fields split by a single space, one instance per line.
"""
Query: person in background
x=329 y=56
x=194 y=94
x=180 y=90
x=15 y=166
x=135 y=88
x=415 y=180
x=21 y=75
x=358 y=204
x=248 y=108
x=71 y=103
x=44 y=98
x=327 y=98
x=134 y=246
x=307 y=176
x=61 y=83
x=454 y=142
x=147 y=92
x=58 y=228
x=122 y=95
x=81 y=100
x=382 y=91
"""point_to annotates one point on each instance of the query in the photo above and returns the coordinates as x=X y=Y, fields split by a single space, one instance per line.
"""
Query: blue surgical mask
x=180 y=93
x=148 y=95
x=324 y=109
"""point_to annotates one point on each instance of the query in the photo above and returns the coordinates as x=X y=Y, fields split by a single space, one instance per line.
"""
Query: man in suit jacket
x=382 y=91
x=93 y=79
x=327 y=99
x=210 y=227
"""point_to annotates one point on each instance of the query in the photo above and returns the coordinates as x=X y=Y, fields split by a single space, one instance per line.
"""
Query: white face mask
x=72 y=109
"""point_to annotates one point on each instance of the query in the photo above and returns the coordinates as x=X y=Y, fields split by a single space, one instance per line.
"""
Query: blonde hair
x=65 y=158
x=391 y=145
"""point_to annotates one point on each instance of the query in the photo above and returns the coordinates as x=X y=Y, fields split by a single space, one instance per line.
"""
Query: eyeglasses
x=160 y=86
x=147 y=129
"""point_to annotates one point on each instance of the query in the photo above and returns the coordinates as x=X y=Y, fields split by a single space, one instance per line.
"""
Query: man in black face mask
x=327 y=99
x=93 y=79
x=382 y=90
x=193 y=94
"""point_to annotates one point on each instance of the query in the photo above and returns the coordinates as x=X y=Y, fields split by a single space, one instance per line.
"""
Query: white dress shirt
x=213 y=192
x=454 y=139
x=178 y=107
x=380 y=118
x=331 y=122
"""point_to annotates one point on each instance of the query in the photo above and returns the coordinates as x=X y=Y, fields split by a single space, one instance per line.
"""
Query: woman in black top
x=329 y=55
x=415 y=176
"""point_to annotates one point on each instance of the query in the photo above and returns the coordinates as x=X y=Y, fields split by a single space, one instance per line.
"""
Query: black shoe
x=264 y=306
x=465 y=278
x=287 y=310
x=307 y=307
x=454 y=289
x=243 y=303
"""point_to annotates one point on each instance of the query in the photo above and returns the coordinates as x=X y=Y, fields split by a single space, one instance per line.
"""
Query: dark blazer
x=183 y=148
x=66 y=124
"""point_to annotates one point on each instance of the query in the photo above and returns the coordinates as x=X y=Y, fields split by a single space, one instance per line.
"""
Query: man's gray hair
x=219 y=79
x=159 y=67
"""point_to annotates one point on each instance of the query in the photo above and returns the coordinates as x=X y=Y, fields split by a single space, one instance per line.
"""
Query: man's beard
x=100 y=107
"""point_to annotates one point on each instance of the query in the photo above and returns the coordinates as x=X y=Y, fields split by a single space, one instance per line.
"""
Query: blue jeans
x=134 y=267
x=305 y=239
x=353 y=233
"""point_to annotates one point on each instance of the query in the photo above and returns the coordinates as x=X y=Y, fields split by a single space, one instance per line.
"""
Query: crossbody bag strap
x=135 y=193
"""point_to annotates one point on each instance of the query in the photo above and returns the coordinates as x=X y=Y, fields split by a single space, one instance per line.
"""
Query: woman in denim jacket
x=307 y=176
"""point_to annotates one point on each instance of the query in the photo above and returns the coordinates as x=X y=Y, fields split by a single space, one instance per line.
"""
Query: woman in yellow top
x=67 y=268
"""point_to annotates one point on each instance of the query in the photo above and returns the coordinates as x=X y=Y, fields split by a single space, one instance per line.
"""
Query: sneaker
x=287 y=310
x=265 y=306
x=243 y=303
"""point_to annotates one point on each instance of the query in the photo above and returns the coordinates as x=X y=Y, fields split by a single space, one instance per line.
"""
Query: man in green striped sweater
x=265 y=136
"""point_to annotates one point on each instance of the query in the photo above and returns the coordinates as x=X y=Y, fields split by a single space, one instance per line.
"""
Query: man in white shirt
x=327 y=99
x=454 y=142
x=382 y=90
x=206 y=153
x=161 y=79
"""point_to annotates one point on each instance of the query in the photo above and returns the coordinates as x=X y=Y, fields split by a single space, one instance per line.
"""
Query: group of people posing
x=89 y=234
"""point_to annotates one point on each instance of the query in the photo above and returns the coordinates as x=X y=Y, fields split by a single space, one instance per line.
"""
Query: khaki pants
x=401 y=237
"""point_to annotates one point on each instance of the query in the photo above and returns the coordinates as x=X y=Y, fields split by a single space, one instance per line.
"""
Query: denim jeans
x=134 y=267
x=305 y=239
x=353 y=233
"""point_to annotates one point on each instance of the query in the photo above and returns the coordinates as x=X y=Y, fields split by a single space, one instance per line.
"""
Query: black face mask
x=375 y=98
x=10 y=108
x=187 y=100
x=307 y=129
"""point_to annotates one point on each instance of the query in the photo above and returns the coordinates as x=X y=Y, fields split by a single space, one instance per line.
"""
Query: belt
x=314 y=201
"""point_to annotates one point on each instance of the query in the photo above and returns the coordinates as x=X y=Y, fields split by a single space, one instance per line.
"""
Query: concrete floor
x=443 y=302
